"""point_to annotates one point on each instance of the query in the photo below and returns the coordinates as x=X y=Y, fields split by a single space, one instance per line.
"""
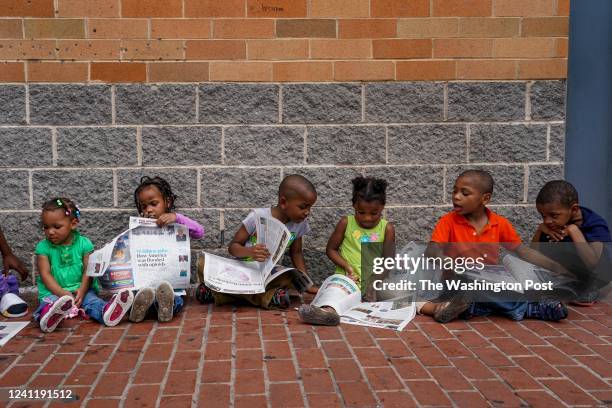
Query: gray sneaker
x=318 y=315
x=142 y=302
x=164 y=294
x=448 y=311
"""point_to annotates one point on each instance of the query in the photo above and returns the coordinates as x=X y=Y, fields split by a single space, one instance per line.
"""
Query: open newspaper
x=143 y=255
x=516 y=272
x=250 y=277
x=8 y=330
x=341 y=293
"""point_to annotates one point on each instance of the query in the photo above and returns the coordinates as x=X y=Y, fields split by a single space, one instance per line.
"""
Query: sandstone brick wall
x=281 y=40
x=224 y=147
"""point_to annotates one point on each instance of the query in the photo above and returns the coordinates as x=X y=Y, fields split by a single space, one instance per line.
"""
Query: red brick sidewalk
x=245 y=357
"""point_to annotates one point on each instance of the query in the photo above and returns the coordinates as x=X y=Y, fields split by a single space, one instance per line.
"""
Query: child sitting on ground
x=471 y=222
x=11 y=305
x=62 y=264
x=564 y=220
x=296 y=195
x=344 y=247
x=154 y=199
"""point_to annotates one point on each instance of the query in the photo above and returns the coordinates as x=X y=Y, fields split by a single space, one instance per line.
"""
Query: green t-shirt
x=66 y=263
x=354 y=236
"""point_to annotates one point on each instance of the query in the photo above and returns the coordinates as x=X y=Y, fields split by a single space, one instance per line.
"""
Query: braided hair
x=162 y=185
x=65 y=204
x=369 y=189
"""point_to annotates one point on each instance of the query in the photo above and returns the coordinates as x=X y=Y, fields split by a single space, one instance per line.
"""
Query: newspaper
x=341 y=293
x=9 y=329
x=250 y=277
x=143 y=255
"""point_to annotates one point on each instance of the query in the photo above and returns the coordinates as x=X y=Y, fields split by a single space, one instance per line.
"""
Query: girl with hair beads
x=344 y=246
x=62 y=261
x=154 y=199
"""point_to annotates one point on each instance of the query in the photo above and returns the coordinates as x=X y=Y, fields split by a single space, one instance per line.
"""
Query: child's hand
x=351 y=274
x=80 y=295
x=260 y=253
x=165 y=219
x=12 y=262
x=554 y=235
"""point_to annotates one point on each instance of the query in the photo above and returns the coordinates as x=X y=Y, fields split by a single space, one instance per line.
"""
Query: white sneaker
x=56 y=312
x=117 y=307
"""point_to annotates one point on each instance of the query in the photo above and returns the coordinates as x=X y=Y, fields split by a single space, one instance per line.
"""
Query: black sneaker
x=550 y=310
x=203 y=294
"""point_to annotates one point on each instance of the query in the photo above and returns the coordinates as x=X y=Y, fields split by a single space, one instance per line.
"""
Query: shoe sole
x=165 y=302
x=318 y=316
x=60 y=310
x=118 y=302
x=452 y=311
x=142 y=302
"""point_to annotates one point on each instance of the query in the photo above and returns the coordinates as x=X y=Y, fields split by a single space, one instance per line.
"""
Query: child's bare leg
x=428 y=308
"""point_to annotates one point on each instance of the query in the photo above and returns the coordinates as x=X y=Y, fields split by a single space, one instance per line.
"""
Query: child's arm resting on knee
x=258 y=252
x=589 y=252
x=85 y=283
x=10 y=260
x=44 y=269
x=532 y=256
x=297 y=256
x=333 y=246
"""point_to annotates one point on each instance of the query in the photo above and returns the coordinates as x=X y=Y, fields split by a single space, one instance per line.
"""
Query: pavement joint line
x=202 y=362
x=233 y=355
x=164 y=381
x=294 y=360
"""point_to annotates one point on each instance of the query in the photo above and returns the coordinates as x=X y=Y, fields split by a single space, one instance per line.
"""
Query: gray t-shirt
x=297 y=229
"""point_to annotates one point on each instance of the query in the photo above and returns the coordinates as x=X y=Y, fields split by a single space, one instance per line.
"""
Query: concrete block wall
x=224 y=147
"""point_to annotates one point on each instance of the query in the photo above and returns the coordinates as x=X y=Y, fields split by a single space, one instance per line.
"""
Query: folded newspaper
x=250 y=277
x=341 y=293
x=143 y=255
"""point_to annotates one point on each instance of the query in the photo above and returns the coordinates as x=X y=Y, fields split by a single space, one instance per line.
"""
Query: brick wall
x=247 y=91
x=225 y=147
x=281 y=40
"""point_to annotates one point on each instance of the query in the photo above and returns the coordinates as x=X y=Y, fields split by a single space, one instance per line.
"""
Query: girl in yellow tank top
x=365 y=226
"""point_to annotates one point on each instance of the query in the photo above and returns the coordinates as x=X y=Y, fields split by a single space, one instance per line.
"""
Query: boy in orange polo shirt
x=471 y=222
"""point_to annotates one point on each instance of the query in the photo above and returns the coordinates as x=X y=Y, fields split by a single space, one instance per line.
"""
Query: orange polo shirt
x=455 y=229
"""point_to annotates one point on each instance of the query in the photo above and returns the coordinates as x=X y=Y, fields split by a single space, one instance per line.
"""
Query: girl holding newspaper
x=154 y=199
x=345 y=244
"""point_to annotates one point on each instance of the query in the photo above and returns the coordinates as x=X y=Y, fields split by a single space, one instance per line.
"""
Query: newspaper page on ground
x=144 y=255
x=341 y=293
x=8 y=330
x=249 y=277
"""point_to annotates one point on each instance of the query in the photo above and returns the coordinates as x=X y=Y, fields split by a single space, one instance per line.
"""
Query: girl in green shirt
x=62 y=263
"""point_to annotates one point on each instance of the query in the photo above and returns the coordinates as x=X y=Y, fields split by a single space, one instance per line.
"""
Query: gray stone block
x=486 y=101
x=557 y=143
x=70 y=104
x=507 y=143
x=322 y=222
x=96 y=147
x=333 y=184
x=22 y=231
x=15 y=190
x=548 y=100
x=25 y=147
x=189 y=145
x=411 y=185
x=233 y=222
x=319 y=266
x=540 y=175
x=239 y=187
x=209 y=219
x=238 y=103
x=352 y=145
x=264 y=145
x=509 y=182
x=321 y=103
x=12 y=100
x=427 y=144
x=524 y=219
x=404 y=102
x=182 y=181
x=102 y=226
x=155 y=104
x=88 y=188
x=414 y=223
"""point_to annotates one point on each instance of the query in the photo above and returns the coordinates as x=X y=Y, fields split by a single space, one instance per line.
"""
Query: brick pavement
x=244 y=357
